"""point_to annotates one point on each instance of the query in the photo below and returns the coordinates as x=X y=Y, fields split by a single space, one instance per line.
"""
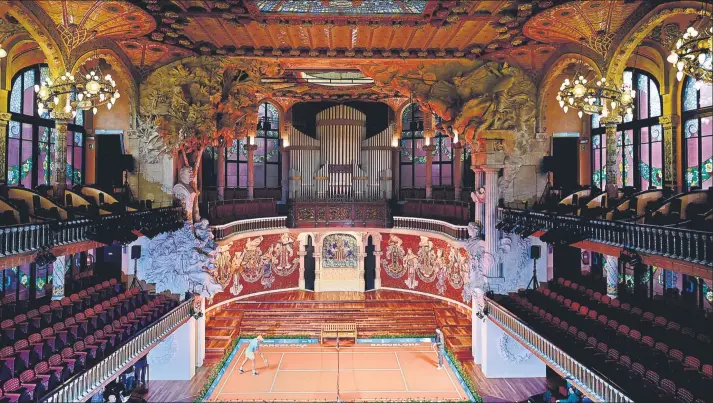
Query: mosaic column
x=250 y=148
x=429 y=149
x=221 y=173
x=59 y=179
x=492 y=194
x=4 y=121
x=457 y=168
x=612 y=164
x=669 y=124
x=611 y=271
x=285 y=181
x=59 y=269
x=377 y=277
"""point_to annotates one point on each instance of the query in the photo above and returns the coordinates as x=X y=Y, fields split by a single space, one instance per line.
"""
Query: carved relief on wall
x=339 y=250
x=425 y=264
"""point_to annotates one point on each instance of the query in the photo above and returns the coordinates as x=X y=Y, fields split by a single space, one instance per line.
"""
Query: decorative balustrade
x=587 y=381
x=82 y=386
x=24 y=238
x=241 y=226
x=457 y=232
x=671 y=242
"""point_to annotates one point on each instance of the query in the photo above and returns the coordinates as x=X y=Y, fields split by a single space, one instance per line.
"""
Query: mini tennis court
x=362 y=372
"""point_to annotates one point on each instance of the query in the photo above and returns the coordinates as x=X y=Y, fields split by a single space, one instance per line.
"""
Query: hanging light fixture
x=3 y=52
x=80 y=93
x=577 y=93
x=692 y=53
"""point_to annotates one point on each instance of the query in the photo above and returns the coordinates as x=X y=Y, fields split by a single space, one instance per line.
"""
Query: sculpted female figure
x=186 y=194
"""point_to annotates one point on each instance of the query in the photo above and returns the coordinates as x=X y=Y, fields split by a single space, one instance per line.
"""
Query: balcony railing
x=241 y=226
x=82 y=386
x=588 y=382
x=671 y=242
x=23 y=238
x=457 y=232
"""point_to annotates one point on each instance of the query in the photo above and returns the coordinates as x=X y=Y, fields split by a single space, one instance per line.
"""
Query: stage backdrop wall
x=425 y=264
x=256 y=264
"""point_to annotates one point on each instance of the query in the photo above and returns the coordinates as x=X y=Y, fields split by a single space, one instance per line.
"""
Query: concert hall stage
x=403 y=370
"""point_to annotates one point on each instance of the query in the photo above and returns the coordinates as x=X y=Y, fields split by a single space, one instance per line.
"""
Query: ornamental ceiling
x=338 y=35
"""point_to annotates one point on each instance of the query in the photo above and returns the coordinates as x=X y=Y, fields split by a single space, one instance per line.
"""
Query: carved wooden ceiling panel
x=530 y=57
x=98 y=19
x=147 y=55
x=592 y=23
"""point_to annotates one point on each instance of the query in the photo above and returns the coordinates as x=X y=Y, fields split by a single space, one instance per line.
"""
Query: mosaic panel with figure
x=339 y=250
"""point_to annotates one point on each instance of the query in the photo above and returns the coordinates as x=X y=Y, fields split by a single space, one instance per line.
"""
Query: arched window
x=413 y=158
x=639 y=139
x=266 y=158
x=442 y=160
x=697 y=116
x=31 y=136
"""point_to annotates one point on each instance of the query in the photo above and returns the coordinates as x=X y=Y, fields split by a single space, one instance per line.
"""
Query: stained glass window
x=639 y=138
x=266 y=158
x=413 y=158
x=697 y=134
x=365 y=7
x=30 y=139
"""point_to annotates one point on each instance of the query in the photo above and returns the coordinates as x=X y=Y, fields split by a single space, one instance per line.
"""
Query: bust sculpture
x=186 y=194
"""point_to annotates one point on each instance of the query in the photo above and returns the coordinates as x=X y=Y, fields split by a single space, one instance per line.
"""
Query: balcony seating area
x=226 y=211
x=654 y=353
x=684 y=209
x=49 y=345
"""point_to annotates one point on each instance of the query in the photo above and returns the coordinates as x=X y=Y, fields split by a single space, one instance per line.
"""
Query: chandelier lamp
x=78 y=93
x=614 y=100
x=693 y=53
x=577 y=94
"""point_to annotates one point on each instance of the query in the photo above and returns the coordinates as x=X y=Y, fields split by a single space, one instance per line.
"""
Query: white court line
x=340 y=370
x=402 y=371
x=448 y=372
x=235 y=363
x=343 y=391
x=355 y=352
x=276 y=371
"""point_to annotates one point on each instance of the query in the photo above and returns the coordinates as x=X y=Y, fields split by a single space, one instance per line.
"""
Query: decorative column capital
x=250 y=147
x=5 y=117
x=611 y=121
x=429 y=149
x=490 y=169
x=458 y=146
x=670 y=121
x=62 y=117
x=284 y=149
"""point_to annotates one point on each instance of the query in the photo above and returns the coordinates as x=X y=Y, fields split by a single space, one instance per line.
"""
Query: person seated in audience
x=572 y=396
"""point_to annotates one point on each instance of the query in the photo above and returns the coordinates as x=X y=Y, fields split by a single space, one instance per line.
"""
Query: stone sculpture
x=184 y=192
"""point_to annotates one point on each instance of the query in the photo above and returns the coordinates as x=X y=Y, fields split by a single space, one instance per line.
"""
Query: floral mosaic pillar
x=611 y=271
x=457 y=168
x=612 y=164
x=250 y=148
x=59 y=173
x=59 y=268
x=492 y=194
x=4 y=120
x=221 y=173
x=670 y=128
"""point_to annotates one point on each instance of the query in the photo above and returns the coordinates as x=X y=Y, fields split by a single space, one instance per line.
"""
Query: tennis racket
x=264 y=360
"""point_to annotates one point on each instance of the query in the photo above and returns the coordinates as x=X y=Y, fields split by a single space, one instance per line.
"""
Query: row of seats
x=601 y=345
x=629 y=314
x=38 y=365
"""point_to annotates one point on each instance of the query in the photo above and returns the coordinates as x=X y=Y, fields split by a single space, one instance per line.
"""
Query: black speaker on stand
x=135 y=256
x=535 y=252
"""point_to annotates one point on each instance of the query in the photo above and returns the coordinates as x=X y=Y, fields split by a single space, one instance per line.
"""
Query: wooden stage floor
x=364 y=372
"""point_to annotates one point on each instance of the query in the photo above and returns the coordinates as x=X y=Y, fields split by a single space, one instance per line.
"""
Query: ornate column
x=395 y=168
x=670 y=133
x=457 y=168
x=59 y=179
x=611 y=271
x=492 y=194
x=302 y=253
x=479 y=207
x=285 y=181
x=429 y=149
x=317 y=268
x=250 y=148
x=221 y=173
x=612 y=166
x=361 y=256
x=4 y=120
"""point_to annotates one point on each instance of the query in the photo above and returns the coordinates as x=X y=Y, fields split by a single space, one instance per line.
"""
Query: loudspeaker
x=136 y=252
x=535 y=252
x=548 y=163
x=127 y=162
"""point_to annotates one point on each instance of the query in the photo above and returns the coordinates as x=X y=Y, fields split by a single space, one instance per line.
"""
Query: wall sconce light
x=251 y=140
x=394 y=142
x=285 y=141
x=455 y=136
x=427 y=141
x=3 y=52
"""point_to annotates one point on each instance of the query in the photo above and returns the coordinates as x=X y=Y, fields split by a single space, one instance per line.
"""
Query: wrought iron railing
x=82 y=386
x=23 y=238
x=671 y=242
x=587 y=381
x=241 y=226
x=457 y=232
